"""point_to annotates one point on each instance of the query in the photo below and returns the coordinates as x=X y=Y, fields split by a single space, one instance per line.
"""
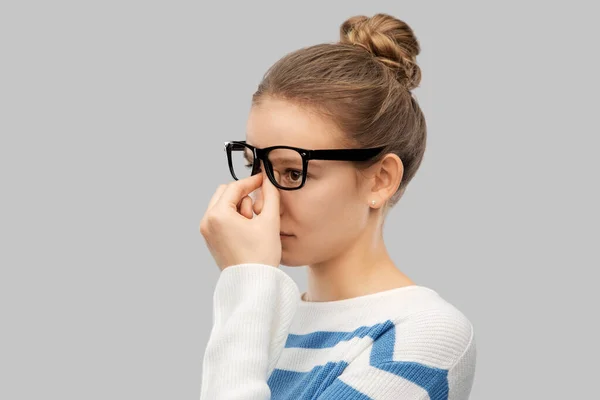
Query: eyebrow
x=287 y=161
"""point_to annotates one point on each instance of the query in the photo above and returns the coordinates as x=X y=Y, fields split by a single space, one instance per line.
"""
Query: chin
x=291 y=260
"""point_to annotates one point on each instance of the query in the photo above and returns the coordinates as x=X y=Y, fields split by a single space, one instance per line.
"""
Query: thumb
x=270 y=198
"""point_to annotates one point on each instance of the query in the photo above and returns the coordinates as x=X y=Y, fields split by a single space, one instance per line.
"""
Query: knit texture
x=267 y=343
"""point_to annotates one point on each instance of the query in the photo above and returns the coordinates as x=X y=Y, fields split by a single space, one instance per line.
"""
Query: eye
x=294 y=174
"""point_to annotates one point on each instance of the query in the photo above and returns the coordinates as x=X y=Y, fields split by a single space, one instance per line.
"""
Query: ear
x=385 y=177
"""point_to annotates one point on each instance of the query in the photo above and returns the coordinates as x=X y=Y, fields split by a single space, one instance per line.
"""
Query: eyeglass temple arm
x=344 y=154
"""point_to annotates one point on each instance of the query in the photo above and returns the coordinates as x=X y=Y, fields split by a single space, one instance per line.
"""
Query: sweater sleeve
x=433 y=357
x=253 y=307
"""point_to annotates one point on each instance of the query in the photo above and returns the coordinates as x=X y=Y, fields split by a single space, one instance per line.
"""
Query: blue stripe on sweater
x=383 y=348
x=322 y=380
x=324 y=339
x=340 y=390
x=287 y=385
x=433 y=380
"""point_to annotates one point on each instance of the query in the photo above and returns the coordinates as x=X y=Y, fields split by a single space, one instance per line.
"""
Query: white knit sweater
x=267 y=343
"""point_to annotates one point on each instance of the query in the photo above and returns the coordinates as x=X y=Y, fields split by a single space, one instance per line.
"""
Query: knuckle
x=209 y=221
x=203 y=227
x=212 y=220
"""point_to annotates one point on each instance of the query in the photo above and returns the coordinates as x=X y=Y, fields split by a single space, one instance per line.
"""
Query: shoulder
x=438 y=335
x=427 y=353
x=426 y=346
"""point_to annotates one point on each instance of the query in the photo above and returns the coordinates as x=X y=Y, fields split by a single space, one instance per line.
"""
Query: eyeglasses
x=285 y=166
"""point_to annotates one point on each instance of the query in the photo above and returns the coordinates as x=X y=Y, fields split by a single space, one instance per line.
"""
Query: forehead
x=275 y=122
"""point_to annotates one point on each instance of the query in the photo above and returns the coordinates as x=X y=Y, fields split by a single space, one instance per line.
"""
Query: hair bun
x=390 y=40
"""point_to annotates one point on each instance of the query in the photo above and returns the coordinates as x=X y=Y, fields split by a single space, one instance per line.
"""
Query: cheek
x=329 y=207
x=327 y=217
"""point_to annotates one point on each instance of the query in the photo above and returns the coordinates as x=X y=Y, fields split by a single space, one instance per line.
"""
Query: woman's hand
x=232 y=233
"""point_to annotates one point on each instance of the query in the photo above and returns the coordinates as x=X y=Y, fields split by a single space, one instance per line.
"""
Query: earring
x=373 y=202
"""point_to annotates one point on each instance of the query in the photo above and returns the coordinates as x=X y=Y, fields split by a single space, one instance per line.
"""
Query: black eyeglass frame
x=307 y=155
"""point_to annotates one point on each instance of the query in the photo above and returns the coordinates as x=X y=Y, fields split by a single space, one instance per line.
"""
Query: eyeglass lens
x=286 y=165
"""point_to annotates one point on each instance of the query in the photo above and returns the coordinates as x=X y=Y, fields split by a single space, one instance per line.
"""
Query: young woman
x=333 y=138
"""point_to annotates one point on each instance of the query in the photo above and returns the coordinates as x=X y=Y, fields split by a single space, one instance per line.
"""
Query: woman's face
x=329 y=213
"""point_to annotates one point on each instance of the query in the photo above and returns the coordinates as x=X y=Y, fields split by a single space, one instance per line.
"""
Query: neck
x=362 y=269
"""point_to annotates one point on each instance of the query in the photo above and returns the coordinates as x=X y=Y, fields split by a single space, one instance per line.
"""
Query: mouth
x=285 y=234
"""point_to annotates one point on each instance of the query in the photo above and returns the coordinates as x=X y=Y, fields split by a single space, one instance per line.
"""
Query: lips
x=285 y=234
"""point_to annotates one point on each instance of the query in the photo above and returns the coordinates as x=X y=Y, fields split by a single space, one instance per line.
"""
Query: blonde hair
x=363 y=84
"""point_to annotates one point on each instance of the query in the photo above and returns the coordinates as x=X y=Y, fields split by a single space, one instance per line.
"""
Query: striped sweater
x=267 y=343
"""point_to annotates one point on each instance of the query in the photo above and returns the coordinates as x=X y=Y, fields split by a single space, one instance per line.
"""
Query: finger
x=270 y=198
x=216 y=196
x=258 y=202
x=237 y=190
x=246 y=207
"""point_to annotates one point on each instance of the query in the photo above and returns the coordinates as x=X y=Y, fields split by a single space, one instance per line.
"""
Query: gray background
x=112 y=120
